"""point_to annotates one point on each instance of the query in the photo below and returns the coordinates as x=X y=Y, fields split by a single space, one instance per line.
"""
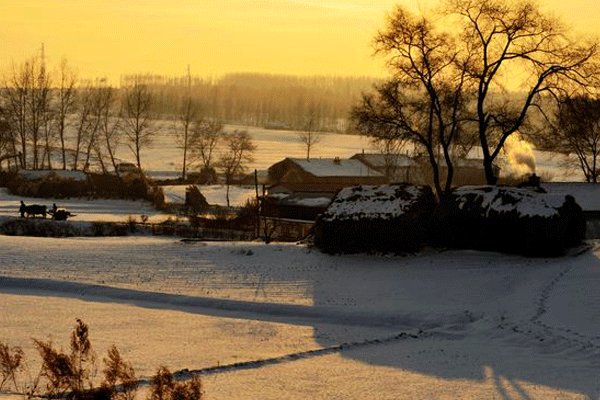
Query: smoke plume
x=519 y=155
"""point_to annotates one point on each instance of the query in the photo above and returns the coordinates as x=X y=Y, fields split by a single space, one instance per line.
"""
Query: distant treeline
x=276 y=101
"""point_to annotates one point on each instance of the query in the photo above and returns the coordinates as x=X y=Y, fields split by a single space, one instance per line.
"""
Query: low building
x=335 y=171
x=417 y=170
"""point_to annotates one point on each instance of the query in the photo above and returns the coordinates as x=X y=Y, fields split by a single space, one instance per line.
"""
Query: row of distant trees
x=43 y=114
x=266 y=100
x=450 y=73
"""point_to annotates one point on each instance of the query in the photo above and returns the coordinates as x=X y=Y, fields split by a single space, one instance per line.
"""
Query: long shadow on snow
x=480 y=315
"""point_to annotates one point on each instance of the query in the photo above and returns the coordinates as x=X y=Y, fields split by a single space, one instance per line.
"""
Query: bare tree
x=576 y=130
x=189 y=113
x=310 y=135
x=206 y=135
x=85 y=123
x=238 y=151
x=8 y=149
x=390 y=144
x=425 y=101
x=65 y=104
x=27 y=98
x=101 y=124
x=110 y=123
x=137 y=115
x=39 y=110
x=500 y=38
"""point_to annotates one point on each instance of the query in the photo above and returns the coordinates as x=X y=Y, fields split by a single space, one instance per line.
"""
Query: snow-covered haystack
x=510 y=220
x=389 y=218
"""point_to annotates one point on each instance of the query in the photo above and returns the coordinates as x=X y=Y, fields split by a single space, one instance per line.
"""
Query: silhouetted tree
x=27 y=105
x=190 y=110
x=425 y=100
x=137 y=114
x=499 y=38
x=206 y=135
x=111 y=123
x=232 y=162
x=576 y=130
x=309 y=135
x=65 y=104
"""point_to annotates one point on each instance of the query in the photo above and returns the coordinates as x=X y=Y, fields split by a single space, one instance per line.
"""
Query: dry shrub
x=68 y=373
x=118 y=373
x=164 y=387
x=10 y=363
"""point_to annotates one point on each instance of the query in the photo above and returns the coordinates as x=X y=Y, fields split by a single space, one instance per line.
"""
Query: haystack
x=367 y=218
x=508 y=219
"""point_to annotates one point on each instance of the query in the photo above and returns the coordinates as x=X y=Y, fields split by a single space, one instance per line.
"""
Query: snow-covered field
x=476 y=325
x=163 y=157
x=439 y=324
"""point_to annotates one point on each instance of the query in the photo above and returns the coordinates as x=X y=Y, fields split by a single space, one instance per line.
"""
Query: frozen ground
x=121 y=210
x=457 y=324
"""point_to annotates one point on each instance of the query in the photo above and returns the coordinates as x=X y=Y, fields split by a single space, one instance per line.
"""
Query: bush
x=38 y=227
x=164 y=387
x=7 y=177
x=10 y=363
x=70 y=375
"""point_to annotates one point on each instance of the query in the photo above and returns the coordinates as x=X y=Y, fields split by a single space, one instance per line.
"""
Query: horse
x=32 y=210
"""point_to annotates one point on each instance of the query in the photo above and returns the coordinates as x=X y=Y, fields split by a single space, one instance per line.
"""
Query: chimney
x=337 y=161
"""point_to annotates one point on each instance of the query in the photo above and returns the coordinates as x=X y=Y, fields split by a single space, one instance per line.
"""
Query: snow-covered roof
x=371 y=201
x=322 y=167
x=507 y=199
x=378 y=160
x=381 y=160
x=587 y=195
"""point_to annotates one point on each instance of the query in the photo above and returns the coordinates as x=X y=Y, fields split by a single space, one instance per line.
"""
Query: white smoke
x=519 y=155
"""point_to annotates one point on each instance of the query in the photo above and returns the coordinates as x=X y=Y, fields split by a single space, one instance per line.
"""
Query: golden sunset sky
x=302 y=37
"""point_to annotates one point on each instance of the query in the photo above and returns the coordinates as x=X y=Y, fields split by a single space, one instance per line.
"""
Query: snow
x=214 y=194
x=370 y=201
x=461 y=324
x=323 y=167
x=587 y=195
x=528 y=203
x=313 y=201
x=437 y=324
x=163 y=157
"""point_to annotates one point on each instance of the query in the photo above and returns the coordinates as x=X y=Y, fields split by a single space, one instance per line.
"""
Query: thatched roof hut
x=508 y=219
x=367 y=218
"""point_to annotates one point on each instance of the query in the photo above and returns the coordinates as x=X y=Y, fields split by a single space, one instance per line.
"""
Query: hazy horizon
x=281 y=37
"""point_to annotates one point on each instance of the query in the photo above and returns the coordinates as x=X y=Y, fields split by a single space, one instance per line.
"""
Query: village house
x=299 y=190
x=324 y=171
x=417 y=170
